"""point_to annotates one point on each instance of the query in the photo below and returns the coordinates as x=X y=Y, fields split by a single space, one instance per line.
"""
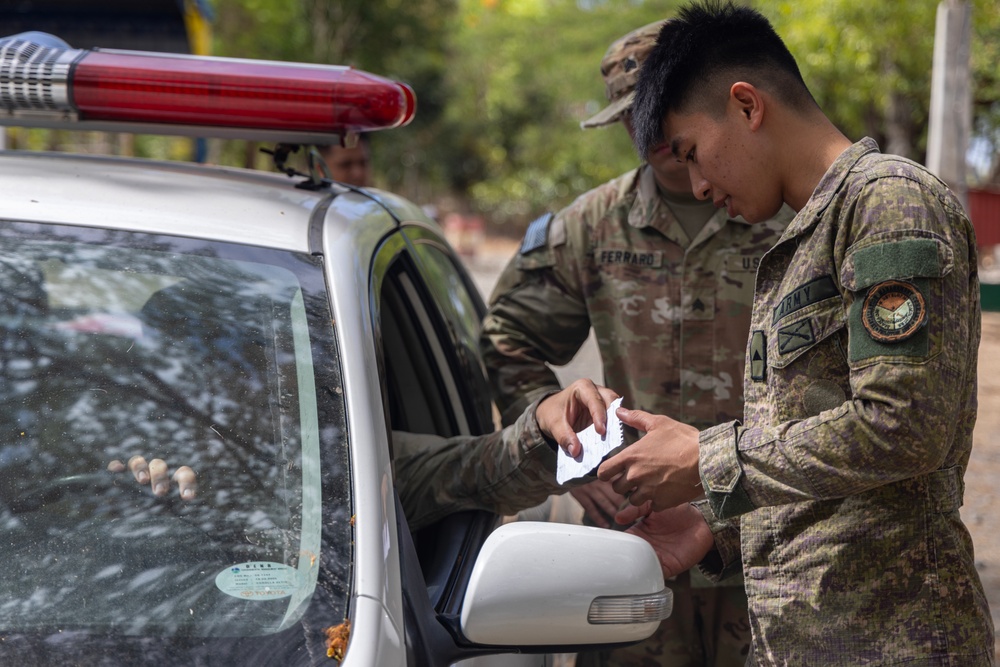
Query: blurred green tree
x=869 y=64
x=503 y=84
x=400 y=39
x=985 y=57
x=524 y=74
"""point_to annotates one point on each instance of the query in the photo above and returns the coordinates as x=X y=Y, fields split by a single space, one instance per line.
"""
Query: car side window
x=462 y=309
x=428 y=324
x=422 y=392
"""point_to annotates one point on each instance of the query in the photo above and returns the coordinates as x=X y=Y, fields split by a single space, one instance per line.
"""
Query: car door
x=427 y=315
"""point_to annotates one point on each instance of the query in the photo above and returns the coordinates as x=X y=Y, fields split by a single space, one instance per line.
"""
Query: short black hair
x=709 y=43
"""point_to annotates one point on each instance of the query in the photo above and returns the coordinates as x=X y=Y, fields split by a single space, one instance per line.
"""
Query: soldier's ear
x=746 y=101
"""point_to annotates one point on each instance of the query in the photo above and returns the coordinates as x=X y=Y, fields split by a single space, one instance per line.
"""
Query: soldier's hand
x=661 y=467
x=632 y=513
x=573 y=409
x=600 y=501
x=156 y=475
x=679 y=536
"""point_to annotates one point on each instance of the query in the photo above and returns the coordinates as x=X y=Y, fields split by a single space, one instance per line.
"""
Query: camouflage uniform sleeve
x=905 y=405
x=725 y=560
x=537 y=316
x=502 y=472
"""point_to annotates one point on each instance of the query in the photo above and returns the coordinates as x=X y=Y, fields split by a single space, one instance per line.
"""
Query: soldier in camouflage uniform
x=666 y=283
x=501 y=472
x=838 y=493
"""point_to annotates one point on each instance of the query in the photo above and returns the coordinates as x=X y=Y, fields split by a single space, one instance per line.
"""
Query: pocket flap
x=792 y=336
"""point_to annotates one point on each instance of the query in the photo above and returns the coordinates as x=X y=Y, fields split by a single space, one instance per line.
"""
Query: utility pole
x=951 y=97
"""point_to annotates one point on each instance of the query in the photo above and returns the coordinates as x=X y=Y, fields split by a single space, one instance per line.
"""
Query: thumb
x=633 y=513
x=640 y=419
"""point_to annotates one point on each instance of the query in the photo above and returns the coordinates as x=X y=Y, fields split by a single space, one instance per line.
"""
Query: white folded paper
x=595 y=448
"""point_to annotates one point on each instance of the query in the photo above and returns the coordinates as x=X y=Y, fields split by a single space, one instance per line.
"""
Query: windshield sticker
x=258 y=580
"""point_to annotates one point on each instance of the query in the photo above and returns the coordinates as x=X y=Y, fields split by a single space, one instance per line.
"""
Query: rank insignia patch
x=758 y=357
x=893 y=311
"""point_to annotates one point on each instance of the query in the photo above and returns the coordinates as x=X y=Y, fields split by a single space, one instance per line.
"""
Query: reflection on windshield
x=110 y=352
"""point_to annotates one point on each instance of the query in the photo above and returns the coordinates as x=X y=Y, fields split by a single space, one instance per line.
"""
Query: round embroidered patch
x=894 y=310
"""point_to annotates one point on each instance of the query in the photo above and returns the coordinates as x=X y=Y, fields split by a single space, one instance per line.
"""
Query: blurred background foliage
x=502 y=86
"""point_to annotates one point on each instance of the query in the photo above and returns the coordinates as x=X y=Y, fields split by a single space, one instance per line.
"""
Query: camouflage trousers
x=709 y=627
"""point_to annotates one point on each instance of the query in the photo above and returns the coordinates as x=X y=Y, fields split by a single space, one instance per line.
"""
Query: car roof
x=179 y=198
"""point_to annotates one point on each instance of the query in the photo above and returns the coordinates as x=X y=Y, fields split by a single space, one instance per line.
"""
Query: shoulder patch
x=894 y=310
x=537 y=234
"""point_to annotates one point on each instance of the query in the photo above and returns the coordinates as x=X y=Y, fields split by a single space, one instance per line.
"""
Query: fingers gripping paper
x=595 y=448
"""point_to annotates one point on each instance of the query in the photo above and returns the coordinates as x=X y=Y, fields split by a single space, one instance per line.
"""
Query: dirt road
x=981 y=511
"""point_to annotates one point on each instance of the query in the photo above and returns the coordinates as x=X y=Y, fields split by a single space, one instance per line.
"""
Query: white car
x=269 y=333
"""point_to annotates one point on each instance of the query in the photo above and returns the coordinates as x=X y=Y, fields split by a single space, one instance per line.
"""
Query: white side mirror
x=549 y=584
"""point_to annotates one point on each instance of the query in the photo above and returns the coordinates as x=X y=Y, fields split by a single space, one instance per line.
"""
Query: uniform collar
x=648 y=208
x=829 y=185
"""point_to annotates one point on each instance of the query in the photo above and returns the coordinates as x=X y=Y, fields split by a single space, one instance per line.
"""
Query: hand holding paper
x=562 y=414
x=595 y=448
x=661 y=467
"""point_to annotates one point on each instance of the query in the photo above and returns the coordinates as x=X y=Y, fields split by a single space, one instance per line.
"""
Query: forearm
x=874 y=439
x=503 y=472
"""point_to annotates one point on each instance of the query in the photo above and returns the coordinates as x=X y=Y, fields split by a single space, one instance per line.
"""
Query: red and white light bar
x=47 y=84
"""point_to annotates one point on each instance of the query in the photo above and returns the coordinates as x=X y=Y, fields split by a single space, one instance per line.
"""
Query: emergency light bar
x=45 y=83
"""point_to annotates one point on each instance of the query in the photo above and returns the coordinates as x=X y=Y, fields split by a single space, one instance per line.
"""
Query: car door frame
x=435 y=570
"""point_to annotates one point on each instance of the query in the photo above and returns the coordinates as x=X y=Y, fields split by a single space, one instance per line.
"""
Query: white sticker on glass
x=258 y=580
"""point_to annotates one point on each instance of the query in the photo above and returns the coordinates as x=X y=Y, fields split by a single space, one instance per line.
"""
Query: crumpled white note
x=595 y=448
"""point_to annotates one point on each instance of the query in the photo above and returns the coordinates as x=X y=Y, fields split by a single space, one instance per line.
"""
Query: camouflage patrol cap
x=620 y=69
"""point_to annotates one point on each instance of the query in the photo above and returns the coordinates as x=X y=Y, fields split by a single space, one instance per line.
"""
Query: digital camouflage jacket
x=847 y=472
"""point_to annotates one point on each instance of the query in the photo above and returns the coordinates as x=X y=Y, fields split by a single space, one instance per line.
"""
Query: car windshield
x=215 y=356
